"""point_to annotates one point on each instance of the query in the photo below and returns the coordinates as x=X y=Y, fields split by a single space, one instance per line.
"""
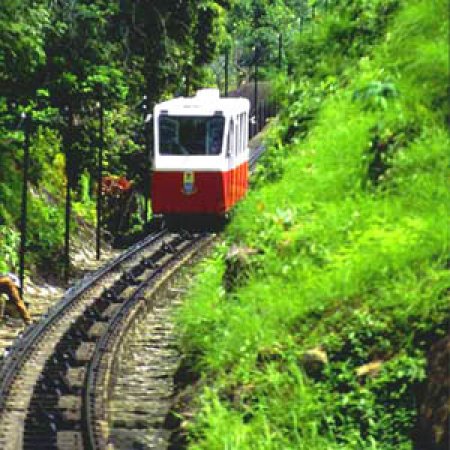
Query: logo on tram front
x=188 y=183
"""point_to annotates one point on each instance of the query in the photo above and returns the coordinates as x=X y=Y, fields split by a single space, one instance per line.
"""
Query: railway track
x=52 y=392
x=55 y=382
x=254 y=156
x=146 y=372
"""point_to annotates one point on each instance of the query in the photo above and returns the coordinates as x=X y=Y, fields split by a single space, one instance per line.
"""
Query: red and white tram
x=201 y=154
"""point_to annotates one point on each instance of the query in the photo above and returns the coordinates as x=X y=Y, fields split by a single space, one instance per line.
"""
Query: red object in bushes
x=116 y=186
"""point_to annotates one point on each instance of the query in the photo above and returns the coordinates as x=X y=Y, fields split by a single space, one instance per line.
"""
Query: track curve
x=55 y=381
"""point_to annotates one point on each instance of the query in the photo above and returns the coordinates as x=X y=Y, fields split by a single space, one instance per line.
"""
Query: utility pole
x=147 y=159
x=100 y=174
x=255 y=94
x=227 y=62
x=69 y=171
x=188 y=83
x=24 y=211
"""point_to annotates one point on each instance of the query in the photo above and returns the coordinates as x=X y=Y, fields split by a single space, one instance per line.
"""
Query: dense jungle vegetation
x=318 y=337
x=60 y=58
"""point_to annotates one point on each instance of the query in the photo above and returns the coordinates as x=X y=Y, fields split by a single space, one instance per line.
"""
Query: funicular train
x=201 y=154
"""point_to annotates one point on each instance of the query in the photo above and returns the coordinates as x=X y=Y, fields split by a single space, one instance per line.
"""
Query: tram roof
x=205 y=102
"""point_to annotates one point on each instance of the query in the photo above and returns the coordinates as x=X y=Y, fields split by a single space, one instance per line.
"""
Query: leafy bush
x=353 y=230
x=9 y=260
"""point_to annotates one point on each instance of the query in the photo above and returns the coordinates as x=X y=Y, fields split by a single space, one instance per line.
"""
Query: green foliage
x=254 y=28
x=350 y=214
x=44 y=243
x=85 y=186
x=44 y=218
x=56 y=55
x=382 y=408
x=10 y=244
x=375 y=95
x=22 y=45
x=44 y=149
x=85 y=204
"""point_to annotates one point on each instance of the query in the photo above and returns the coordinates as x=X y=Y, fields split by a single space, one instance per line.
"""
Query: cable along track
x=49 y=382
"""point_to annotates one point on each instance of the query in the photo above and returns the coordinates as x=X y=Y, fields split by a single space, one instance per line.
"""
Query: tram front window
x=180 y=135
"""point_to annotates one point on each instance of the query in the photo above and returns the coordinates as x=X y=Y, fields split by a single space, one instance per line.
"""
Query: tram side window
x=231 y=138
x=247 y=130
x=245 y=135
x=247 y=124
x=236 y=149
x=242 y=132
x=214 y=135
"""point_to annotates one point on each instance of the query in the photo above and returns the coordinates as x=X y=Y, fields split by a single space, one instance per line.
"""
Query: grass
x=353 y=233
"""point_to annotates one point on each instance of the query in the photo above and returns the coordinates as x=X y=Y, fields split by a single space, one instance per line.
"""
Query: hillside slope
x=322 y=342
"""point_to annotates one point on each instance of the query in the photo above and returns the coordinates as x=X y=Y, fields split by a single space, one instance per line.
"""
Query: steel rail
x=113 y=337
x=254 y=156
x=34 y=334
x=45 y=415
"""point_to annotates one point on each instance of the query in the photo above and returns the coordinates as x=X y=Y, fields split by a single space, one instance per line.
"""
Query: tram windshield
x=181 y=135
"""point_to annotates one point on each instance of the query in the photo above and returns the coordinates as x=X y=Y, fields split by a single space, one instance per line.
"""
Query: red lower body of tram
x=192 y=192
